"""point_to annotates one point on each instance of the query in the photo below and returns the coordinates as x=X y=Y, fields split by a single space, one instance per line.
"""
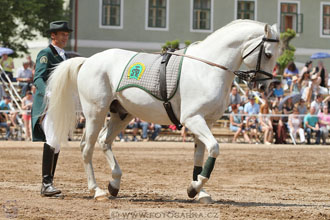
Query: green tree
x=287 y=51
x=175 y=44
x=22 y=20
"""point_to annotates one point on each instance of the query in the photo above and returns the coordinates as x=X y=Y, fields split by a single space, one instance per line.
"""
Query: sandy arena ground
x=248 y=182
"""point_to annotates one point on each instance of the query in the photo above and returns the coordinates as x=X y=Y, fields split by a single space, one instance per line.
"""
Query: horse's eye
x=268 y=55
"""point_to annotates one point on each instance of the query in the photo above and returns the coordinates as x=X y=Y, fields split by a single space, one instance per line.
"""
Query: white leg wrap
x=198 y=185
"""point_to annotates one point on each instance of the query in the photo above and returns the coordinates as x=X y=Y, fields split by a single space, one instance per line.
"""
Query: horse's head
x=260 y=55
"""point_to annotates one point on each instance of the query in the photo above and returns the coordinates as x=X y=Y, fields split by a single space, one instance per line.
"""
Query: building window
x=246 y=10
x=157 y=13
x=111 y=12
x=290 y=18
x=202 y=14
x=326 y=20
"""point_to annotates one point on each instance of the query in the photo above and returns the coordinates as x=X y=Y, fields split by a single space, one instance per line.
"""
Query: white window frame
x=255 y=8
x=166 y=28
x=321 y=20
x=112 y=26
x=192 y=17
x=279 y=11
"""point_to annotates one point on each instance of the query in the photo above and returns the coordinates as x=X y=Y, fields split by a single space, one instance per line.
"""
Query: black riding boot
x=49 y=160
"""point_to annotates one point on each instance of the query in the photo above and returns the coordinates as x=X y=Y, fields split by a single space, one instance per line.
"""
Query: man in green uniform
x=42 y=129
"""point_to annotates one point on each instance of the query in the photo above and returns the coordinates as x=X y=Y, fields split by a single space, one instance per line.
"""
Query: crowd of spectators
x=295 y=103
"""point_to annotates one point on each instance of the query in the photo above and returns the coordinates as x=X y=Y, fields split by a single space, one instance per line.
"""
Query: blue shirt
x=251 y=109
x=311 y=119
x=4 y=106
x=279 y=92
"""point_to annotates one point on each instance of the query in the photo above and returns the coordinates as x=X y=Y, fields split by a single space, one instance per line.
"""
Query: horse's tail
x=60 y=97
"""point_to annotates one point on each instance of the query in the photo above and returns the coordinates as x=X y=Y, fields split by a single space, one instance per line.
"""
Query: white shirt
x=60 y=51
x=24 y=73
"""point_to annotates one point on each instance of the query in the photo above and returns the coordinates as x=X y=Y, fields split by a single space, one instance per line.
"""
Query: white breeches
x=301 y=133
x=47 y=127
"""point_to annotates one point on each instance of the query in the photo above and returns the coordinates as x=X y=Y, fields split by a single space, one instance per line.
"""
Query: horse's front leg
x=203 y=197
x=106 y=137
x=198 y=126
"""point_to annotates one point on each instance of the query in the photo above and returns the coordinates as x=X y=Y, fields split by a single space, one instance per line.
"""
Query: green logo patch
x=135 y=71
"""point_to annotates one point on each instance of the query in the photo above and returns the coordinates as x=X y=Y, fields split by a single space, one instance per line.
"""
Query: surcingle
x=143 y=71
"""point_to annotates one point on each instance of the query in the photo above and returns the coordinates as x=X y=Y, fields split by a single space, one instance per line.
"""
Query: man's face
x=234 y=91
x=60 y=38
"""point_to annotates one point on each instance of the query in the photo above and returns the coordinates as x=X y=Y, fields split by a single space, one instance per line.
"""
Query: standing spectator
x=324 y=120
x=25 y=78
x=311 y=124
x=322 y=73
x=27 y=102
x=237 y=125
x=289 y=72
x=7 y=64
x=266 y=124
x=42 y=128
x=295 y=123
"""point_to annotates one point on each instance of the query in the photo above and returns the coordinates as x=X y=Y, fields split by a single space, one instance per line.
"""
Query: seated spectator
x=27 y=102
x=184 y=131
x=302 y=108
x=311 y=125
x=234 y=97
x=317 y=103
x=24 y=78
x=237 y=125
x=304 y=83
x=253 y=126
x=81 y=122
x=154 y=128
x=295 y=86
x=288 y=107
x=307 y=68
x=295 y=123
x=278 y=90
x=276 y=69
x=266 y=124
x=5 y=120
x=290 y=71
x=251 y=107
x=313 y=88
x=324 y=121
x=278 y=126
x=7 y=64
x=245 y=97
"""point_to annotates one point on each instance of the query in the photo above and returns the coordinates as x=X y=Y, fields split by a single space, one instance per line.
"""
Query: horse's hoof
x=101 y=198
x=113 y=191
x=100 y=195
x=204 y=198
x=191 y=192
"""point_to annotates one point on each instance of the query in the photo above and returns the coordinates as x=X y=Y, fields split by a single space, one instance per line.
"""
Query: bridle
x=250 y=75
x=247 y=75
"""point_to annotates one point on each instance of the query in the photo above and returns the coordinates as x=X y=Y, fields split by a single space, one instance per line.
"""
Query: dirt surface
x=248 y=182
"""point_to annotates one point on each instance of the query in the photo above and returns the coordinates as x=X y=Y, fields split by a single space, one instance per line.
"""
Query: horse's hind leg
x=94 y=121
x=203 y=197
x=198 y=126
x=106 y=137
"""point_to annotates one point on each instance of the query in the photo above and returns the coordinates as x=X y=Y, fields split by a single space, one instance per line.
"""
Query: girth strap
x=163 y=90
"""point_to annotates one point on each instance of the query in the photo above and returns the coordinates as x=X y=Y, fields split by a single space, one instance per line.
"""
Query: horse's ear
x=268 y=32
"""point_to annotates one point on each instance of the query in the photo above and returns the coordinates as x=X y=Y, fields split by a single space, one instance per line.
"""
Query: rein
x=247 y=75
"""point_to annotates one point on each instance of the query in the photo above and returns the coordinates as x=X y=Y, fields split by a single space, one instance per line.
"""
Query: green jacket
x=46 y=60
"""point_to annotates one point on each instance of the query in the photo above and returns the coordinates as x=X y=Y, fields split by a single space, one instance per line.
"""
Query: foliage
x=21 y=21
x=175 y=44
x=287 y=50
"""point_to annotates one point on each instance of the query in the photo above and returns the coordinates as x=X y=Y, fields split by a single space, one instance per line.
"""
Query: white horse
x=201 y=97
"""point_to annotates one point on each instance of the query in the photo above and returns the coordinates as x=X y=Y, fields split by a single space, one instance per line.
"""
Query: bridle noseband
x=250 y=75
